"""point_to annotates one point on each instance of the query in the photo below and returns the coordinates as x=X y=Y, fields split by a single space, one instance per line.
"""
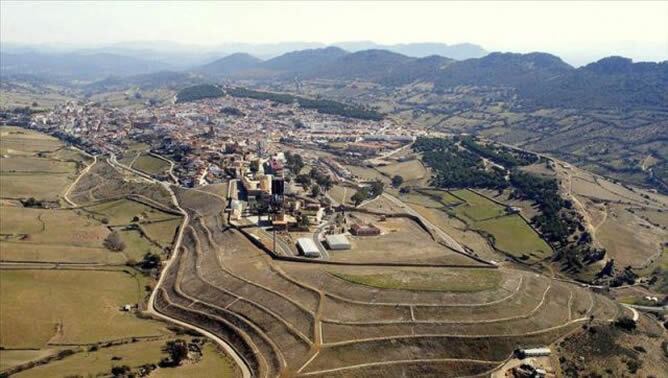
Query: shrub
x=114 y=243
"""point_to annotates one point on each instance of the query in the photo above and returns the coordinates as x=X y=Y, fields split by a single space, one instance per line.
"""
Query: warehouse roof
x=339 y=239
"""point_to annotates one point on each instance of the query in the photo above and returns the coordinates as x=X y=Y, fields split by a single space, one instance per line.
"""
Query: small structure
x=533 y=352
x=308 y=247
x=364 y=230
x=338 y=242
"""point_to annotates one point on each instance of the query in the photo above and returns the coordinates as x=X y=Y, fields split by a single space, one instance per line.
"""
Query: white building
x=338 y=242
x=308 y=247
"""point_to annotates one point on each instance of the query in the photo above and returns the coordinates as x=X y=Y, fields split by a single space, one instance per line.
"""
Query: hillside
x=229 y=65
x=198 y=92
x=304 y=61
x=77 y=66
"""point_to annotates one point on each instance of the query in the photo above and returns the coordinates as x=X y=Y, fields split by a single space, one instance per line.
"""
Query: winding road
x=245 y=371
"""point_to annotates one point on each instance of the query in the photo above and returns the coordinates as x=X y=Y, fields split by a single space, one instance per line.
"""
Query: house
x=308 y=247
x=313 y=212
x=364 y=230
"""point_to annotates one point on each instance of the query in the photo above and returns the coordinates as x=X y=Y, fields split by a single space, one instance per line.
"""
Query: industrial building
x=364 y=230
x=337 y=242
x=308 y=247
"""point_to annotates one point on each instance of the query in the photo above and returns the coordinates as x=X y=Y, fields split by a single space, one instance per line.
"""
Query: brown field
x=77 y=307
x=362 y=319
x=401 y=240
x=410 y=170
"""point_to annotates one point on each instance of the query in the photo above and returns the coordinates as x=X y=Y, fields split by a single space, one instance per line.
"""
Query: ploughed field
x=293 y=318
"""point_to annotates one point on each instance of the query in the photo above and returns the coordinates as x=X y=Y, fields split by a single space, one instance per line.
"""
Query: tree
x=397 y=181
x=377 y=188
x=360 y=196
x=626 y=323
x=303 y=221
x=177 y=351
x=150 y=261
x=114 y=243
x=120 y=371
x=303 y=180
x=315 y=190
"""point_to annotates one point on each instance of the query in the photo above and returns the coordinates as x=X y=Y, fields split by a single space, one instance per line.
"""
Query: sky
x=586 y=30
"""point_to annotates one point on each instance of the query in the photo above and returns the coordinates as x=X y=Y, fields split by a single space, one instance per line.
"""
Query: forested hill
x=540 y=79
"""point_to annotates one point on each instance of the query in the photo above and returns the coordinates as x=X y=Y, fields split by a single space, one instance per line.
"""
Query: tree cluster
x=320 y=105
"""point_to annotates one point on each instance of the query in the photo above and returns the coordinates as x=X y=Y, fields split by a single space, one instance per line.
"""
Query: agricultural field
x=468 y=217
x=151 y=165
x=455 y=280
x=99 y=362
x=296 y=318
x=410 y=170
x=342 y=194
x=35 y=165
x=72 y=305
x=401 y=240
x=123 y=211
x=512 y=235
x=47 y=304
x=628 y=222
x=476 y=207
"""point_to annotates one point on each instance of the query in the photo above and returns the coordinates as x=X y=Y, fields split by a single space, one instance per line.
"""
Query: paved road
x=245 y=371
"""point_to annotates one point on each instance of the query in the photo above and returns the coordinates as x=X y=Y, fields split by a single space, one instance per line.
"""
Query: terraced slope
x=303 y=319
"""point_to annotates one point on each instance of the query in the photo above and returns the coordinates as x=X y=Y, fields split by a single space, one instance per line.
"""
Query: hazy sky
x=636 y=29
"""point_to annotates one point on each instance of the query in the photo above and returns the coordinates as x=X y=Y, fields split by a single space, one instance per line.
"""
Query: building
x=337 y=242
x=364 y=230
x=313 y=212
x=534 y=352
x=308 y=247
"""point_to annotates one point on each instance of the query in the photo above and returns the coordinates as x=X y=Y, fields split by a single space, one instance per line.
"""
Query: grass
x=512 y=235
x=52 y=226
x=410 y=170
x=151 y=165
x=212 y=363
x=341 y=193
x=68 y=306
x=134 y=355
x=39 y=185
x=477 y=207
x=11 y=358
x=367 y=174
x=122 y=211
x=452 y=280
x=99 y=362
x=31 y=165
x=136 y=245
x=162 y=232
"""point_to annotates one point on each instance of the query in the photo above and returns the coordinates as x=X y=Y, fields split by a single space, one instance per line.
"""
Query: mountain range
x=540 y=78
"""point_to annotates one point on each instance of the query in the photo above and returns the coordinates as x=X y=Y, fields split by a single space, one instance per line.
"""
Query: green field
x=30 y=165
x=151 y=165
x=11 y=358
x=341 y=194
x=122 y=211
x=410 y=170
x=453 y=280
x=477 y=207
x=213 y=363
x=99 y=362
x=136 y=245
x=162 y=232
x=512 y=235
x=38 y=307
